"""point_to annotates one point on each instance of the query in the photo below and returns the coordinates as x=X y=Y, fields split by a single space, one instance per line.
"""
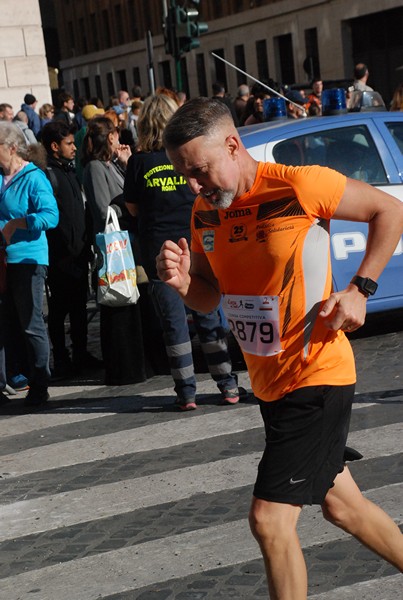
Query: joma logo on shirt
x=235 y=214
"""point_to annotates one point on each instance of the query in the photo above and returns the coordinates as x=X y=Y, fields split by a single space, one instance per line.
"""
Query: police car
x=362 y=145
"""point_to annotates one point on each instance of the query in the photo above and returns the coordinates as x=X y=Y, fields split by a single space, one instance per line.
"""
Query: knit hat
x=29 y=99
x=90 y=110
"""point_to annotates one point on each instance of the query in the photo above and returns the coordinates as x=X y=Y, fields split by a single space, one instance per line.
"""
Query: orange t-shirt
x=270 y=254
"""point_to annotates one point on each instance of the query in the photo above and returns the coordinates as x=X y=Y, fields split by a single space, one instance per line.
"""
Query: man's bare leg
x=274 y=527
x=346 y=507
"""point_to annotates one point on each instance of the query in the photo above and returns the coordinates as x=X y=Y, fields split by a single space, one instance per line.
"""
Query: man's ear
x=232 y=143
x=54 y=146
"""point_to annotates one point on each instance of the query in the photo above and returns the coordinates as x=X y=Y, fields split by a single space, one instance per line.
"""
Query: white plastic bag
x=117 y=279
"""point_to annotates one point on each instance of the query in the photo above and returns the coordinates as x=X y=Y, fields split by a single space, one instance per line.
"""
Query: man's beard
x=224 y=198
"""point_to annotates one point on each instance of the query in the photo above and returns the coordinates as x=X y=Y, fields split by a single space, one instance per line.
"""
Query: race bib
x=255 y=322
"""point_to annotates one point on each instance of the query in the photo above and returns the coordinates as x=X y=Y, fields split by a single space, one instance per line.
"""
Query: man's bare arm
x=384 y=214
x=190 y=275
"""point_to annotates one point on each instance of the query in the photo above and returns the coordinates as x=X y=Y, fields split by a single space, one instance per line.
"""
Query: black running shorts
x=306 y=433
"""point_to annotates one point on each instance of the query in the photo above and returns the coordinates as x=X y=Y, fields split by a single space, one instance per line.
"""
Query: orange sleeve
x=319 y=189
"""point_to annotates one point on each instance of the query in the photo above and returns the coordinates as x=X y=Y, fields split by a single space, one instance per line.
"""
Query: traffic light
x=181 y=29
x=171 y=43
x=188 y=29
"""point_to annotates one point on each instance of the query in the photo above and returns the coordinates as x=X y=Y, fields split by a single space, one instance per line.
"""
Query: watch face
x=370 y=286
x=365 y=284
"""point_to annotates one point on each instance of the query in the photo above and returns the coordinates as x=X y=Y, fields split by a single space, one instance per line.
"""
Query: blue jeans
x=3 y=375
x=212 y=335
x=23 y=307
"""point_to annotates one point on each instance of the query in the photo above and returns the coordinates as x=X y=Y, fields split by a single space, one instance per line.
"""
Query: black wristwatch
x=366 y=285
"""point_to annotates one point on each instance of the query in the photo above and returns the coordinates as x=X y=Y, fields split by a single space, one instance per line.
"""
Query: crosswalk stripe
x=140 y=439
x=372 y=442
x=103 y=405
x=386 y=588
x=380 y=441
x=22 y=424
x=161 y=560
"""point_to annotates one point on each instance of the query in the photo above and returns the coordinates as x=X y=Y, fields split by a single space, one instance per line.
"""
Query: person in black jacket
x=69 y=254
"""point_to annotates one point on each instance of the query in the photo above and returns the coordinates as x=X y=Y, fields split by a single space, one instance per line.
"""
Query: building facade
x=103 y=44
x=23 y=65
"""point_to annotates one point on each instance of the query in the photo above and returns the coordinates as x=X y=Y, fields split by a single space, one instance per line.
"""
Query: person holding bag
x=104 y=160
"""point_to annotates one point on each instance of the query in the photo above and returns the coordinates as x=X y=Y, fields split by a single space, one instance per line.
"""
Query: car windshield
x=350 y=150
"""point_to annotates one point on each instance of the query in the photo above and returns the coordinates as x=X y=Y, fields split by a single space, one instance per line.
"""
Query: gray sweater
x=103 y=186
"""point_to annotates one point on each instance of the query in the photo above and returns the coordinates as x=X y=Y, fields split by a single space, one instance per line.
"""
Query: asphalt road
x=112 y=494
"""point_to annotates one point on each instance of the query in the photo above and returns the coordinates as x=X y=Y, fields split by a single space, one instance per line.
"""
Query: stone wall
x=23 y=65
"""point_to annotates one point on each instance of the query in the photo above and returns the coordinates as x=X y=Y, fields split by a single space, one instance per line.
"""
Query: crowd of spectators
x=72 y=158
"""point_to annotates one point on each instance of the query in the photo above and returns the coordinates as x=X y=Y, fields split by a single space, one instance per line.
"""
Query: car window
x=350 y=150
x=396 y=131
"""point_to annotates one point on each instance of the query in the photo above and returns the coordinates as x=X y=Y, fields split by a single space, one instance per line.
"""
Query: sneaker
x=36 y=397
x=4 y=399
x=19 y=383
x=9 y=390
x=233 y=396
x=186 y=404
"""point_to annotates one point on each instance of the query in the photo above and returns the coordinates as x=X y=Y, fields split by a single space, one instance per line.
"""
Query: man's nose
x=194 y=185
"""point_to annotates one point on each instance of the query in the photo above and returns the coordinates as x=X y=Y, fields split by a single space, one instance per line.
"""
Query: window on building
x=94 y=32
x=136 y=76
x=107 y=29
x=85 y=87
x=164 y=68
x=76 y=89
x=133 y=20
x=311 y=62
x=184 y=76
x=119 y=26
x=110 y=84
x=201 y=75
x=219 y=66
x=238 y=5
x=239 y=52
x=285 y=58
x=72 y=41
x=262 y=60
x=83 y=36
x=218 y=9
x=122 y=80
x=98 y=87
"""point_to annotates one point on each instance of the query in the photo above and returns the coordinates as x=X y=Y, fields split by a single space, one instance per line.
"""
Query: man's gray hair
x=197 y=117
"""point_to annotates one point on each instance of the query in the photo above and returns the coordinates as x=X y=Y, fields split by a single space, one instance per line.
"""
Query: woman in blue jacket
x=27 y=209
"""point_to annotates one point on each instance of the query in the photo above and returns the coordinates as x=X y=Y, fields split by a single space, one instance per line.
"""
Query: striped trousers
x=212 y=334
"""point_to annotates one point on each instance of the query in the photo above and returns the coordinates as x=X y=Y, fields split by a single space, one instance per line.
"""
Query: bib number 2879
x=251 y=331
x=254 y=321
